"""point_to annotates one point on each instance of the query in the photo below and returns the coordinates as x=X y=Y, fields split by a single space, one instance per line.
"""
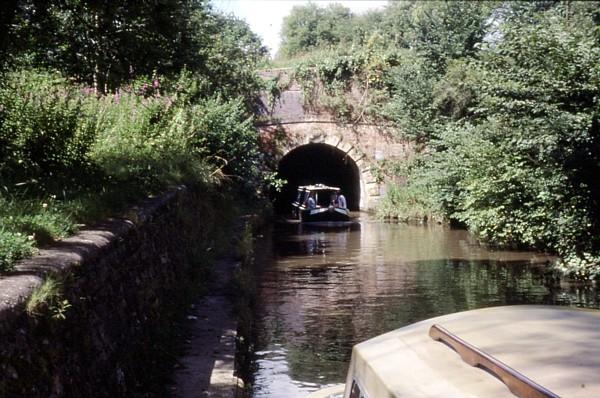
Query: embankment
x=86 y=317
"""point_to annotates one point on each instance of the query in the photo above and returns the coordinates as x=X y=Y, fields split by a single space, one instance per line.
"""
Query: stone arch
x=345 y=152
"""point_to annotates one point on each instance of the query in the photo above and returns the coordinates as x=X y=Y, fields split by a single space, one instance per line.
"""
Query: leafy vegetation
x=100 y=107
x=48 y=298
x=310 y=26
x=501 y=100
x=105 y=44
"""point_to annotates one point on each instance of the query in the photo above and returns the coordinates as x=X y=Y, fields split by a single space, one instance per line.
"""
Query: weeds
x=68 y=156
x=48 y=298
x=13 y=247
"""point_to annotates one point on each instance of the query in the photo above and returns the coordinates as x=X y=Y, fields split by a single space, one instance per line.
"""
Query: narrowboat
x=320 y=203
x=512 y=351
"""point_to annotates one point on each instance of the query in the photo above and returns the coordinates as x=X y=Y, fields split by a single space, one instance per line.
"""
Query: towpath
x=207 y=366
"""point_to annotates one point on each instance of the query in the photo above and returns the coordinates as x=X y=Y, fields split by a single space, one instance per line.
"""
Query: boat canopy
x=321 y=193
x=317 y=187
x=555 y=348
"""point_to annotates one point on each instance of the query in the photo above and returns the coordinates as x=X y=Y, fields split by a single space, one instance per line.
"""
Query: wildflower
x=44 y=205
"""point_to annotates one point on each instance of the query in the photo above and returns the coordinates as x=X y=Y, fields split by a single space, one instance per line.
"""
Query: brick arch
x=288 y=124
x=359 y=159
x=365 y=144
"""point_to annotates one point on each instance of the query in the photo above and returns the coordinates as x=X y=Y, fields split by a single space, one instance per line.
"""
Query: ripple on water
x=321 y=292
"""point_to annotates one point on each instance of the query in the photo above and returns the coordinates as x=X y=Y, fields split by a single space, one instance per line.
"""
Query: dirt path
x=207 y=366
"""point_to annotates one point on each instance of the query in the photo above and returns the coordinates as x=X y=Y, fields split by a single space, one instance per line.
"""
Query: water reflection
x=322 y=291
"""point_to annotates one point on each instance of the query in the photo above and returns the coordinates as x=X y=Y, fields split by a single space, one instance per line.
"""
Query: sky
x=265 y=16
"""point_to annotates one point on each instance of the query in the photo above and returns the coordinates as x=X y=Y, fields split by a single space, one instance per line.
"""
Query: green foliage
x=226 y=132
x=100 y=43
x=106 y=44
x=310 y=26
x=412 y=107
x=350 y=87
x=13 y=247
x=103 y=152
x=532 y=156
x=144 y=141
x=223 y=53
x=405 y=203
x=274 y=87
x=159 y=140
x=455 y=94
x=40 y=133
x=414 y=195
x=42 y=221
x=398 y=52
x=517 y=144
x=438 y=30
x=167 y=90
x=48 y=299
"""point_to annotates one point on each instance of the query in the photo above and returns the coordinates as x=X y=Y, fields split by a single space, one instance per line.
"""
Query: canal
x=322 y=291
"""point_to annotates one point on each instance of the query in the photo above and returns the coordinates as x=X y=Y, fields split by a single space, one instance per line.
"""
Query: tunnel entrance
x=313 y=164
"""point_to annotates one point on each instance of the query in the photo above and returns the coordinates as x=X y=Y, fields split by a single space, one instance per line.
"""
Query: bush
x=70 y=156
x=223 y=132
x=143 y=141
x=41 y=139
x=517 y=165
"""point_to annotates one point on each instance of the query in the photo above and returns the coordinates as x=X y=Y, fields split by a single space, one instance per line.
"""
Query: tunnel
x=314 y=164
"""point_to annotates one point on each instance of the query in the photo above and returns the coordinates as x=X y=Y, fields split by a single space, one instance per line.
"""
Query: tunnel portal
x=318 y=163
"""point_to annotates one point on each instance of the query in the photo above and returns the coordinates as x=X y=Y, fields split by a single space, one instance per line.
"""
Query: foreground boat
x=515 y=351
x=321 y=210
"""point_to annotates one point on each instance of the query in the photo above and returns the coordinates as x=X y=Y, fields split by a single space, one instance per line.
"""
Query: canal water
x=320 y=291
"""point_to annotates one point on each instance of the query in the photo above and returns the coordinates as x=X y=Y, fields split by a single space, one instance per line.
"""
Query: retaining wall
x=118 y=283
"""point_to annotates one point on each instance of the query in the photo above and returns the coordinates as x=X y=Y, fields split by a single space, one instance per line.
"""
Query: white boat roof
x=556 y=347
x=318 y=187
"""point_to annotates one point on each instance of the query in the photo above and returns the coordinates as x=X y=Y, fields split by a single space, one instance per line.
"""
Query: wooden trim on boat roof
x=517 y=383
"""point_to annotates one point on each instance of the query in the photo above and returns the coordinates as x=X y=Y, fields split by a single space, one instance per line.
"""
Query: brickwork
x=291 y=125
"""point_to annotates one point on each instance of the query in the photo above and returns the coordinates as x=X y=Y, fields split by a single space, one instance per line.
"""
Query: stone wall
x=289 y=124
x=117 y=286
x=364 y=144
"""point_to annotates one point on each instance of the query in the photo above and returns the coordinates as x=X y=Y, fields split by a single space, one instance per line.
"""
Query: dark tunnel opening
x=313 y=164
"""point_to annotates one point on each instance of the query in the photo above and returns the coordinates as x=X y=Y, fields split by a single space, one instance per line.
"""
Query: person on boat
x=310 y=202
x=341 y=201
x=333 y=200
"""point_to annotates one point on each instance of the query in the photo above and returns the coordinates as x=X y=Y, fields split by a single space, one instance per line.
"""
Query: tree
x=521 y=165
x=223 y=52
x=439 y=30
x=105 y=43
x=310 y=26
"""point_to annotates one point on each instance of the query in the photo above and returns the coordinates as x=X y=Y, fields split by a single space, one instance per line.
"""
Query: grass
x=405 y=203
x=102 y=154
x=48 y=298
x=42 y=220
x=14 y=246
x=31 y=221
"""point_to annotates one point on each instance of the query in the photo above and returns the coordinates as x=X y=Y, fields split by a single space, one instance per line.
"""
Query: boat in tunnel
x=320 y=203
x=313 y=164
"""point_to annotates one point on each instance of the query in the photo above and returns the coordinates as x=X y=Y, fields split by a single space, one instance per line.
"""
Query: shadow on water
x=321 y=291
